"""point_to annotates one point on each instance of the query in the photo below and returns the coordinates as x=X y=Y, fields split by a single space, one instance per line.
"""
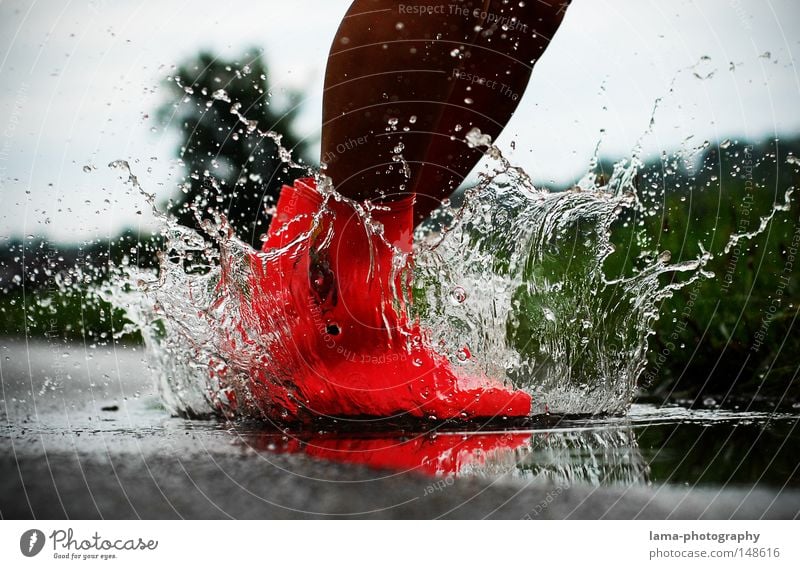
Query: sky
x=81 y=81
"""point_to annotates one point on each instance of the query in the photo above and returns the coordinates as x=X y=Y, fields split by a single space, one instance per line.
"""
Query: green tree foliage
x=218 y=148
x=734 y=336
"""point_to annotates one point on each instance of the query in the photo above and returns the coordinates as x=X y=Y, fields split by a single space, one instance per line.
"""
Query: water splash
x=541 y=310
x=513 y=285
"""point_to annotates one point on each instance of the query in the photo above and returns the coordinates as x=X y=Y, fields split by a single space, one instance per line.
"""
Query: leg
x=439 y=70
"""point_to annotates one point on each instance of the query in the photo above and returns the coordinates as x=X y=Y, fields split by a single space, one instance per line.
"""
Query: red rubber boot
x=321 y=304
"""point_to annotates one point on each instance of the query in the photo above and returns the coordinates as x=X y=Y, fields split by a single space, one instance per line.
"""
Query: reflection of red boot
x=337 y=346
x=445 y=454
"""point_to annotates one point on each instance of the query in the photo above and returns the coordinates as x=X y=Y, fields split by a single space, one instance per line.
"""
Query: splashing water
x=513 y=285
x=519 y=278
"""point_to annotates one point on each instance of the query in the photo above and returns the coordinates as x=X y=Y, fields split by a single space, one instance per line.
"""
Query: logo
x=31 y=542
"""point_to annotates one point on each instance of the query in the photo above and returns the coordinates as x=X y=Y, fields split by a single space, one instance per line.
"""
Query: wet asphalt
x=83 y=436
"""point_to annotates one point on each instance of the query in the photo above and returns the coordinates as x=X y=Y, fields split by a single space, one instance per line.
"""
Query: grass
x=72 y=315
x=734 y=335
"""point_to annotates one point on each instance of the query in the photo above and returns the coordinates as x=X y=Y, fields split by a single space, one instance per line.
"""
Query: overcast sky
x=81 y=80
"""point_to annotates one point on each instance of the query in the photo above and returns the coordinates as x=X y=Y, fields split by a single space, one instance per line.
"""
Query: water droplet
x=458 y=295
x=221 y=95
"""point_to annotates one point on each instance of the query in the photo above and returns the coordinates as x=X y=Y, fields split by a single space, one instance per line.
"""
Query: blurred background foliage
x=220 y=108
x=735 y=335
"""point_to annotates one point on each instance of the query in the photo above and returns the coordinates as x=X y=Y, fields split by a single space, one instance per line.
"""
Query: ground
x=93 y=442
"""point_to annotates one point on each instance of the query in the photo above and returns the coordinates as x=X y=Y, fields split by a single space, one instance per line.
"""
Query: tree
x=223 y=107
